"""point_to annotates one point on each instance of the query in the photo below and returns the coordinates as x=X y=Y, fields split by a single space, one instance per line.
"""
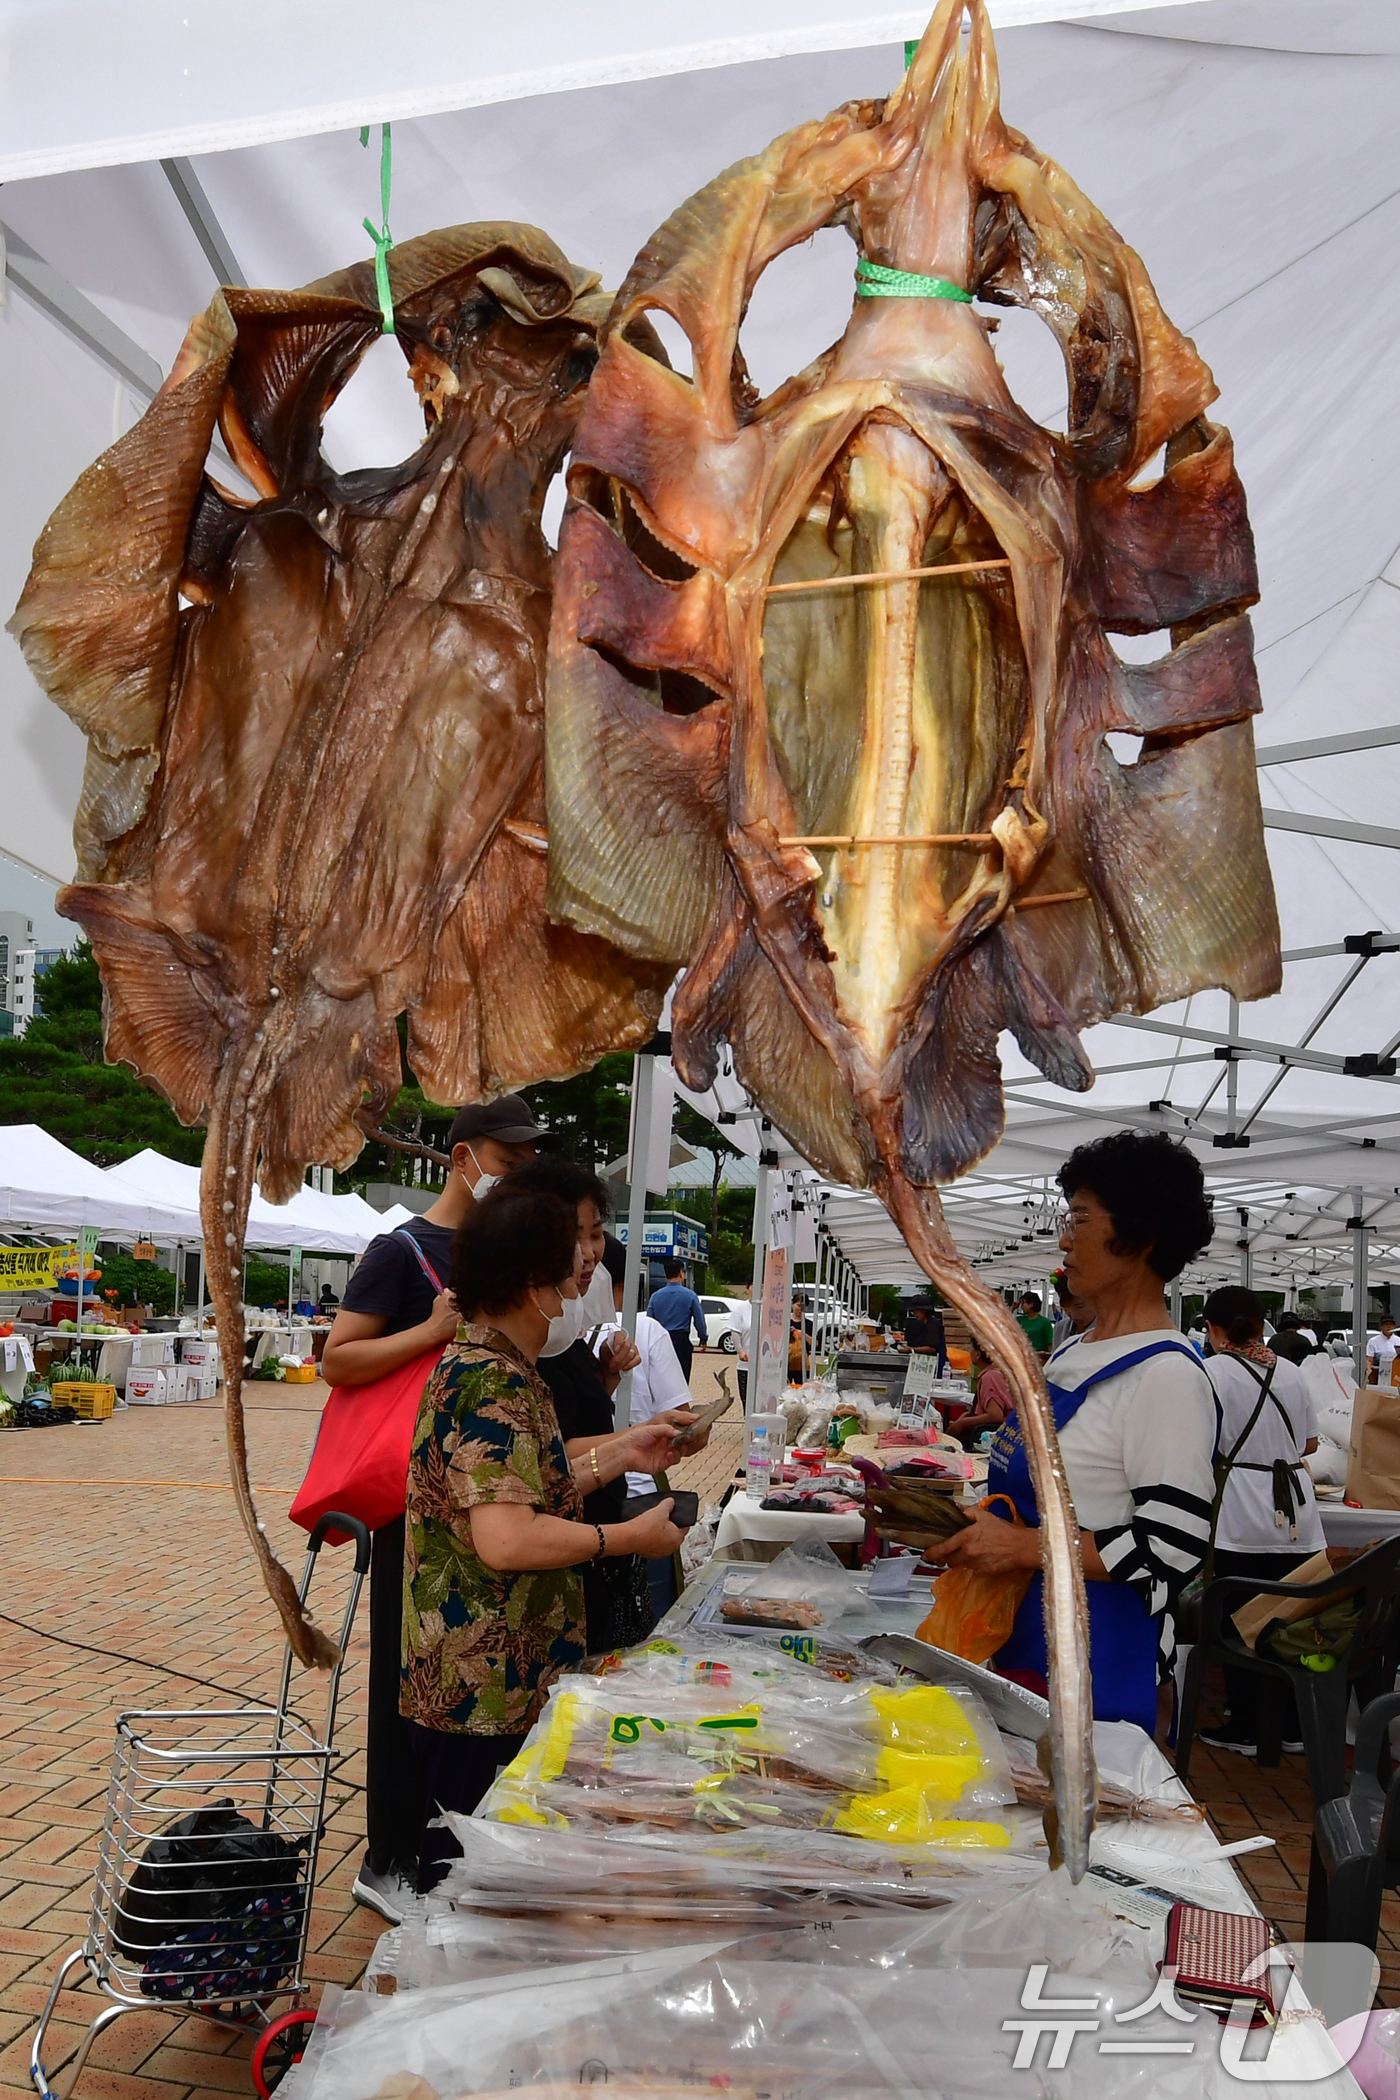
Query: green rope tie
x=875 y=281
x=911 y=46
x=380 y=235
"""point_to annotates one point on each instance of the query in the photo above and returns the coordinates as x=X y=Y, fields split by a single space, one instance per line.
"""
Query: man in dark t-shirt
x=397 y=1306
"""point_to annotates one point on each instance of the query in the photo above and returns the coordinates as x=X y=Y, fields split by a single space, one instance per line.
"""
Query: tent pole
x=1359 y=1293
x=82 y=1264
x=1176 y=1302
x=760 y=1245
x=643 y=1093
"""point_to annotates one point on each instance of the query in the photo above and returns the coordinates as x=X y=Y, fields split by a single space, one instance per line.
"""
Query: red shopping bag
x=360 y=1460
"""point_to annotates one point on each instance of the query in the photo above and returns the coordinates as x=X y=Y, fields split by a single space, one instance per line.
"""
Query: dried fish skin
x=878 y=821
x=315 y=726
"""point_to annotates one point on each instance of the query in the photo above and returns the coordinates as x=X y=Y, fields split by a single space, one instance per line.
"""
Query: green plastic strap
x=911 y=46
x=380 y=235
x=876 y=281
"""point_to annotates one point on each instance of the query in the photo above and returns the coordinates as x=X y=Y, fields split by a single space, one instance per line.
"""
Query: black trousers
x=454 y=1771
x=1242 y=1686
x=393 y=1790
x=685 y=1354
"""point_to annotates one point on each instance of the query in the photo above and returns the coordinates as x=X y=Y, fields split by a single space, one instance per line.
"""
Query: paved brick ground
x=125 y=1563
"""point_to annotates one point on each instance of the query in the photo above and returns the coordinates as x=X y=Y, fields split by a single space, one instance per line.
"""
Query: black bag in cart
x=211 y=1864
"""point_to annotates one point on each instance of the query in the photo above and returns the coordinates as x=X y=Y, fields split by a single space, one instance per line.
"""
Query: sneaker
x=1230 y=1736
x=393 y=1895
x=1295 y=1749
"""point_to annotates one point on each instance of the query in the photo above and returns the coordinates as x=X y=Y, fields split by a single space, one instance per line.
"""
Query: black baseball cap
x=507 y=1119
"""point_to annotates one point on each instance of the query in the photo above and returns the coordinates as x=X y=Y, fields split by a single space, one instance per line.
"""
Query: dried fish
x=315 y=727
x=831 y=680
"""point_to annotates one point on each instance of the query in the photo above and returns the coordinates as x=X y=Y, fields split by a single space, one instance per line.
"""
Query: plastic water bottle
x=765 y=1451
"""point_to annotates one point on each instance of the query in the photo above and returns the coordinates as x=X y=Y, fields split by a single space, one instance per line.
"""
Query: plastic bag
x=805 y=1586
x=973 y=1612
x=207 y=1865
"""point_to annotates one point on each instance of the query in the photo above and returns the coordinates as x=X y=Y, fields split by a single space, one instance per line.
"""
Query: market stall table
x=744 y=1522
x=1353 y=1528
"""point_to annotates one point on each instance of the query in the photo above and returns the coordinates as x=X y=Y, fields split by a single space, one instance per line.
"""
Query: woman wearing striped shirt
x=1137 y=1423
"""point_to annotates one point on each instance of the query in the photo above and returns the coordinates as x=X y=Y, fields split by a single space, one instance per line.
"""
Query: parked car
x=719 y=1322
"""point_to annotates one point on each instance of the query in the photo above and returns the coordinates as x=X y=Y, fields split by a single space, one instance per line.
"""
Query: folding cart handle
x=336 y=1520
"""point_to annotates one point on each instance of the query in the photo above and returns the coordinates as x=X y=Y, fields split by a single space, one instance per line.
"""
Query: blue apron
x=1122 y=1632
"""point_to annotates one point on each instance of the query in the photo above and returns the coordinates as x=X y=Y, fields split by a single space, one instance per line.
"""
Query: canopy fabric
x=1245 y=147
x=47 y=1188
x=162 y=77
x=315 y=1222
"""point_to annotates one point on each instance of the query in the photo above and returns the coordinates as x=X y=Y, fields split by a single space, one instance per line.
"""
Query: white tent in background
x=311 y=1220
x=46 y=1188
x=391 y=1219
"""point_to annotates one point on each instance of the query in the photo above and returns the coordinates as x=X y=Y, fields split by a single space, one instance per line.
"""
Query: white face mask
x=484 y=1183
x=589 y=1309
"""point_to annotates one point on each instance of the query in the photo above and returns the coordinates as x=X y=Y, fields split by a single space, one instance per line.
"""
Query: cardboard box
x=1252 y=1617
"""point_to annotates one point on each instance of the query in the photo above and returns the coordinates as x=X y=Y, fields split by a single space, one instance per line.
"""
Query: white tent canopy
x=46 y=1188
x=1245 y=147
x=317 y=1223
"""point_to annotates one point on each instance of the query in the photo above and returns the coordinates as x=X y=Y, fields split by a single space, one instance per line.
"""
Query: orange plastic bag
x=973 y=1612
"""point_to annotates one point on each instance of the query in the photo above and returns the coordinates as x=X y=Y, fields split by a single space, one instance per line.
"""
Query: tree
x=696 y=1130
x=55 y=1075
x=591 y=1113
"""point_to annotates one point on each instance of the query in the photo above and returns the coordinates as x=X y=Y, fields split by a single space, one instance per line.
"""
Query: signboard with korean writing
x=774 y=1321
x=34 y=1268
x=144 y=1250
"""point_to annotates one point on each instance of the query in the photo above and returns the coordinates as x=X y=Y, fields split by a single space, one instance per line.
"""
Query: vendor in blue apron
x=1137 y=1425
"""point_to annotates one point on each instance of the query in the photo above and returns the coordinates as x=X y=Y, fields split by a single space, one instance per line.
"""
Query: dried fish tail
x=919 y=1215
x=225 y=1190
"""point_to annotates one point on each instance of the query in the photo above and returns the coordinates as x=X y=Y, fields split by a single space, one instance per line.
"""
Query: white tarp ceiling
x=1248 y=150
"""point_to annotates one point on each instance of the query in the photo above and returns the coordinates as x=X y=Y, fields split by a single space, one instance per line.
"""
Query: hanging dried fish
x=831 y=679
x=315 y=725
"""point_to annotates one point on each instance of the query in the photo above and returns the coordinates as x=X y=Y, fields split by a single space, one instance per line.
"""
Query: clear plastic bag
x=805 y=1587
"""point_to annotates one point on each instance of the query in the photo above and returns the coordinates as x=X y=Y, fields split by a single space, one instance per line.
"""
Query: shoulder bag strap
x=401 y=1232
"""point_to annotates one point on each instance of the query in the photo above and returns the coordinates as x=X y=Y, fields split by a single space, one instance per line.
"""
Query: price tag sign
x=144 y=1250
x=922 y=1377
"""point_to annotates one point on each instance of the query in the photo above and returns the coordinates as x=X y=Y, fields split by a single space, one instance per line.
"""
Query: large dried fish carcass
x=315 y=724
x=831 y=676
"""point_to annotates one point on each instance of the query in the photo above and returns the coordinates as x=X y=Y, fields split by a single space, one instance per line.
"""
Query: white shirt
x=657 y=1382
x=741 y=1326
x=1247 y=1507
x=1383 y=1347
x=1152 y=1425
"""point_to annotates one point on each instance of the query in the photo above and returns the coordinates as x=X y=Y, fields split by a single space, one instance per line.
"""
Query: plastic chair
x=1356 y=1839
x=1368 y=1667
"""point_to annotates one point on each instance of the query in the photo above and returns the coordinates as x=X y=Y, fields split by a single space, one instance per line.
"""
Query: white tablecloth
x=1355 y=1527
x=743 y=1519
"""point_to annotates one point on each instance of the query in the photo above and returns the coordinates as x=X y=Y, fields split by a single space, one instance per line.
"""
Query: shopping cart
x=202 y=1897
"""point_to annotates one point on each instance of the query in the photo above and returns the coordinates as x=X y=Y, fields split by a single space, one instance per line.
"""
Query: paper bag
x=1252 y=1617
x=1373 y=1461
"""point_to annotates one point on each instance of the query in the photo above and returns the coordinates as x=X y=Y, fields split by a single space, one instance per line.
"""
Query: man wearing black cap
x=396 y=1307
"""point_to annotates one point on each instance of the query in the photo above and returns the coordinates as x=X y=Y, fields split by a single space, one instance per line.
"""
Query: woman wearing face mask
x=496 y=1533
x=617 y=1600
x=396 y=1306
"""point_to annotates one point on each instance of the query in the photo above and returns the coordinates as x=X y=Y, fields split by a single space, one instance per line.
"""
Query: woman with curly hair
x=496 y=1534
x=1137 y=1423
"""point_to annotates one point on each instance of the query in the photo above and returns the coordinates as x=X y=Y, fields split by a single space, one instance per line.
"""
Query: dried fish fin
x=639 y=795
x=99 y=615
x=162 y=1017
x=775 y=1055
x=1165 y=555
x=1191 y=908
x=543 y=997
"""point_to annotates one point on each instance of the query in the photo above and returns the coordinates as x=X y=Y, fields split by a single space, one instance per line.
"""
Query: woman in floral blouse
x=493 y=1597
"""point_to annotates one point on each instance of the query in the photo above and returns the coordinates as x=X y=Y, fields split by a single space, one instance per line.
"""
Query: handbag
x=973 y=1612
x=359 y=1462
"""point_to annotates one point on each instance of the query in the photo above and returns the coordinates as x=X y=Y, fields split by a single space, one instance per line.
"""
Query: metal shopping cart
x=205 y=1873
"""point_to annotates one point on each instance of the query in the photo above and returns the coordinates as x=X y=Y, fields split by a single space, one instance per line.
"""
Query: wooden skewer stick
x=1052 y=897
x=850 y=583
x=922 y=838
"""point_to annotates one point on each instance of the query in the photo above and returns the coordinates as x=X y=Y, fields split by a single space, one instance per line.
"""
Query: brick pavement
x=163 y=1575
